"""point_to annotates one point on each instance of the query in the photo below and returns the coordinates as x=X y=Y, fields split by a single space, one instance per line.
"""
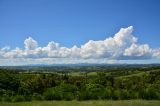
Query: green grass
x=131 y=75
x=82 y=74
x=85 y=103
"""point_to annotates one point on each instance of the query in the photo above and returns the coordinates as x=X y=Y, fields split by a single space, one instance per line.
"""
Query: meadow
x=85 y=103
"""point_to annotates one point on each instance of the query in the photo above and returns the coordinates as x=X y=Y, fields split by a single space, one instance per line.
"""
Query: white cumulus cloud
x=30 y=44
x=122 y=46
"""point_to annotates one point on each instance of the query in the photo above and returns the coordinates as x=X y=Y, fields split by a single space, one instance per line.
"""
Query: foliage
x=18 y=98
x=90 y=83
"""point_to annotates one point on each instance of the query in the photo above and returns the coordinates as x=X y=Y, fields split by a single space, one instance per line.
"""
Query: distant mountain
x=78 y=65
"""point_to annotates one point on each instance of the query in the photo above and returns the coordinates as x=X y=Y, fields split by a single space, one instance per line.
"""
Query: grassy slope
x=85 y=103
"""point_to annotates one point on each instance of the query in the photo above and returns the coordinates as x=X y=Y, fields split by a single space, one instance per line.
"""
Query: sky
x=79 y=31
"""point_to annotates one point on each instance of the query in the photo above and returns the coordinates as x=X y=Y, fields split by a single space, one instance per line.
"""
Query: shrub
x=68 y=96
x=66 y=88
x=142 y=94
x=116 y=95
x=28 y=98
x=1 y=98
x=124 y=95
x=63 y=91
x=106 y=94
x=51 y=94
x=37 y=96
x=7 y=99
x=96 y=91
x=83 y=95
x=94 y=95
x=18 y=98
x=148 y=94
x=152 y=94
x=133 y=95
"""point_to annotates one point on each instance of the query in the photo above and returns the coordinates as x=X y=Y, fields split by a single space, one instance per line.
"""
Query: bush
x=83 y=95
x=96 y=91
x=116 y=95
x=37 y=96
x=7 y=99
x=51 y=94
x=94 y=95
x=6 y=93
x=152 y=94
x=142 y=94
x=0 y=98
x=124 y=95
x=133 y=94
x=63 y=91
x=106 y=94
x=28 y=98
x=148 y=94
x=18 y=98
x=68 y=96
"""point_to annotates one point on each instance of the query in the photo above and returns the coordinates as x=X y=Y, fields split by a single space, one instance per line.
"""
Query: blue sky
x=72 y=22
x=75 y=22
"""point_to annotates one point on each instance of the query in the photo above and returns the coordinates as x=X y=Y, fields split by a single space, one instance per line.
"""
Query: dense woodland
x=79 y=83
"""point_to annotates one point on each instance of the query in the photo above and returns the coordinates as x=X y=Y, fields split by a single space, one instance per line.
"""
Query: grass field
x=85 y=103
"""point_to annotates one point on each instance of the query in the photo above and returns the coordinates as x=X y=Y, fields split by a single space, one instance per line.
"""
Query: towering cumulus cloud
x=122 y=46
x=30 y=44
